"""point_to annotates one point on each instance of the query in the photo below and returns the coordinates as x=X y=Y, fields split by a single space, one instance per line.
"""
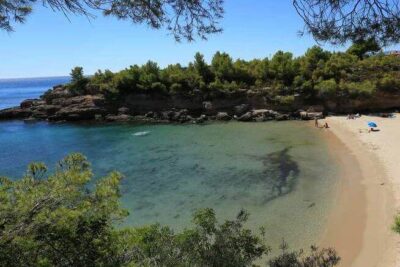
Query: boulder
x=28 y=103
x=119 y=118
x=57 y=92
x=304 y=115
x=167 y=115
x=14 y=113
x=123 y=110
x=49 y=110
x=200 y=119
x=78 y=108
x=315 y=108
x=150 y=114
x=248 y=116
x=30 y=120
x=222 y=116
x=208 y=108
x=282 y=117
x=241 y=109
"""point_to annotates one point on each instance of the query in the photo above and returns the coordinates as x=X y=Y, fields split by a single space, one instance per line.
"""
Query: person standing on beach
x=316 y=122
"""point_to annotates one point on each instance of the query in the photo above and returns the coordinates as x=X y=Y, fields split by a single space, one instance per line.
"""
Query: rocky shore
x=59 y=104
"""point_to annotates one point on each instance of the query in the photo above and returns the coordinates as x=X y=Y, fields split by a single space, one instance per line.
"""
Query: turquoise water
x=280 y=172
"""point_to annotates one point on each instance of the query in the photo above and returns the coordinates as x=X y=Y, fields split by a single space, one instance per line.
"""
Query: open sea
x=281 y=172
x=13 y=91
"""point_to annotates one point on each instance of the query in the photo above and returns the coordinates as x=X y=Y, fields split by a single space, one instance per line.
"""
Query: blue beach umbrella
x=372 y=124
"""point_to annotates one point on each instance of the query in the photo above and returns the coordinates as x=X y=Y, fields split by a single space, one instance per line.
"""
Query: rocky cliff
x=59 y=104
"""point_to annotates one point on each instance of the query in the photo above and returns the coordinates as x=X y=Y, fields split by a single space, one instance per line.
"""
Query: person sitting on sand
x=326 y=126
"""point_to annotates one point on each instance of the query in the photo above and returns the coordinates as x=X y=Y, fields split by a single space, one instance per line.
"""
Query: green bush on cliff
x=60 y=219
x=389 y=84
x=78 y=83
x=315 y=76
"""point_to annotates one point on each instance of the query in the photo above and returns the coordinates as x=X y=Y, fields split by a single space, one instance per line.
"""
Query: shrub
x=286 y=100
x=361 y=90
x=326 y=89
x=389 y=84
x=78 y=83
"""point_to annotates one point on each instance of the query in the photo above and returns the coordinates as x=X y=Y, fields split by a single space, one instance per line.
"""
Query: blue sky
x=48 y=44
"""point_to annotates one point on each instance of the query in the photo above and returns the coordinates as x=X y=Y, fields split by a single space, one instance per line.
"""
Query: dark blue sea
x=13 y=91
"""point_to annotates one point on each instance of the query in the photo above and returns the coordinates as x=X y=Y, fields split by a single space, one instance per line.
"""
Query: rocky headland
x=59 y=104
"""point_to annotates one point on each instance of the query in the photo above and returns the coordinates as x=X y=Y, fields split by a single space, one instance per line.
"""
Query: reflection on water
x=279 y=172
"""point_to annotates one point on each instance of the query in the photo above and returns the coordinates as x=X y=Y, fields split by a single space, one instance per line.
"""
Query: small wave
x=141 y=133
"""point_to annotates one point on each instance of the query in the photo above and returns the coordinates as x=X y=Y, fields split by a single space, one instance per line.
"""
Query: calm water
x=280 y=172
x=13 y=91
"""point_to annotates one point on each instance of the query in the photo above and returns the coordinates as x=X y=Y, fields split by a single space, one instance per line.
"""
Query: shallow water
x=280 y=172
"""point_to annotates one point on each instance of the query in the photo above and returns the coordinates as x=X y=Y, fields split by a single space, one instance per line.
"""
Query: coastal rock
x=79 y=108
x=30 y=120
x=200 y=119
x=29 y=103
x=84 y=100
x=304 y=115
x=48 y=110
x=222 y=116
x=14 y=113
x=241 y=109
x=248 y=116
x=118 y=118
x=123 y=110
x=150 y=114
x=208 y=108
x=282 y=117
x=57 y=92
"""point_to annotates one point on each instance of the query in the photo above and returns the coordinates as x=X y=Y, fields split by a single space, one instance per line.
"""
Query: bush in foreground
x=56 y=220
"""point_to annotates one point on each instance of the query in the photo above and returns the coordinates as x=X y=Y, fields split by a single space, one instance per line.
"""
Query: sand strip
x=359 y=226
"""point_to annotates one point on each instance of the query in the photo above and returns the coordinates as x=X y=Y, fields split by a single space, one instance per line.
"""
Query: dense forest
x=359 y=73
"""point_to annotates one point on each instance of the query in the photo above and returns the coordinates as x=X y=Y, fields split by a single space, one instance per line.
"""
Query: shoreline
x=364 y=205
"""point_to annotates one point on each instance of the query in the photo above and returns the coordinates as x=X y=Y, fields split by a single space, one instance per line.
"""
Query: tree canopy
x=316 y=76
x=185 y=19
x=340 y=21
x=337 y=21
x=66 y=219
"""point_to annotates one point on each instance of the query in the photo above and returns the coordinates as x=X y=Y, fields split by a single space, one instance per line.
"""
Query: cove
x=281 y=172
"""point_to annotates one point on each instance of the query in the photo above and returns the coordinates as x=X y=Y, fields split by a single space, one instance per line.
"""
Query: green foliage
x=316 y=258
x=222 y=66
x=389 y=84
x=361 y=47
x=78 y=83
x=315 y=76
x=55 y=221
x=286 y=100
x=363 y=89
x=327 y=88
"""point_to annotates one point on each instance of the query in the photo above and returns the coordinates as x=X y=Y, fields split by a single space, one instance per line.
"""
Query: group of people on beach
x=353 y=116
x=316 y=123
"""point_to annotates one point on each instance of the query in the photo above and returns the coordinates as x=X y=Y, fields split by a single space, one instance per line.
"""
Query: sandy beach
x=368 y=195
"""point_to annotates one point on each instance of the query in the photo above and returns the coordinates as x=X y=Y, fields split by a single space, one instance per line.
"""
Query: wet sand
x=364 y=207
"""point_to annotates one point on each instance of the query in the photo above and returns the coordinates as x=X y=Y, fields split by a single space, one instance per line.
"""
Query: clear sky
x=48 y=44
